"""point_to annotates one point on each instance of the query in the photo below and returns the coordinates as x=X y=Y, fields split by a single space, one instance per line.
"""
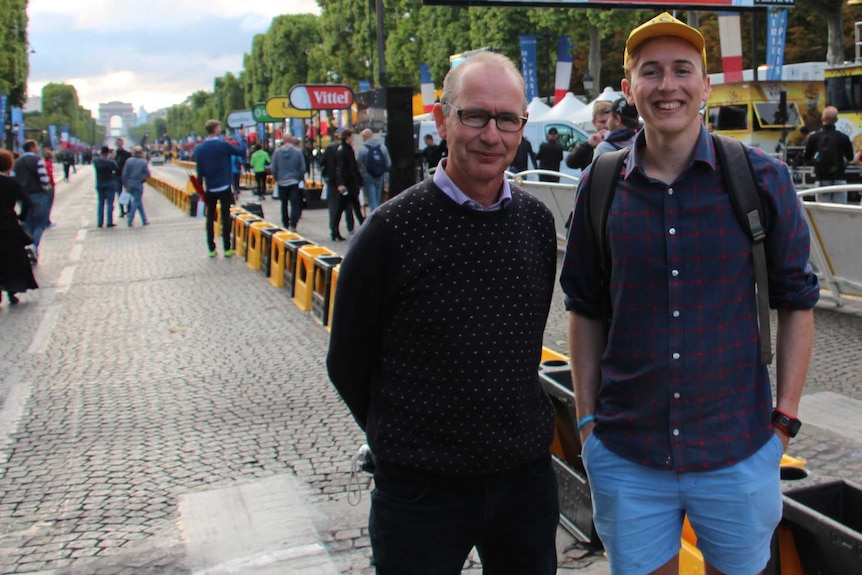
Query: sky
x=150 y=53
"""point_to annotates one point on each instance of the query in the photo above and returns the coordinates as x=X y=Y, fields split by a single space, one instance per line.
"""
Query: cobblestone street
x=144 y=375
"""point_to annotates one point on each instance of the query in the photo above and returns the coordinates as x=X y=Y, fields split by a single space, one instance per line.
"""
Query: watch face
x=793 y=426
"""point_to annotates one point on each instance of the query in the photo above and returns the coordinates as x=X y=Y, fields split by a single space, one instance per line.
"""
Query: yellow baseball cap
x=664 y=25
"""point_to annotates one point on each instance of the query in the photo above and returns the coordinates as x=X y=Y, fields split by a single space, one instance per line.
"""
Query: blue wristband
x=585 y=420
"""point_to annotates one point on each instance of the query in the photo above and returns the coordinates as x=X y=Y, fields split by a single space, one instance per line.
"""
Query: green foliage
x=14 y=51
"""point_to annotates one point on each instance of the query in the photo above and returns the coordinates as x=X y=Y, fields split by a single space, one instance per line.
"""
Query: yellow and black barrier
x=255 y=244
x=277 y=257
x=184 y=198
x=304 y=278
x=322 y=287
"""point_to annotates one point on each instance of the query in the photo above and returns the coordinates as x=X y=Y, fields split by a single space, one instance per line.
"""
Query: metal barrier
x=835 y=231
x=558 y=197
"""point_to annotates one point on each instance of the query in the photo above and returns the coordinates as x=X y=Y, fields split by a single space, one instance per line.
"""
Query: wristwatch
x=787 y=424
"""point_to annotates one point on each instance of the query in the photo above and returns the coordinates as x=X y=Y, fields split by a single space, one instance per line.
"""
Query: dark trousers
x=333 y=202
x=212 y=199
x=426 y=526
x=290 y=196
x=260 y=180
x=348 y=203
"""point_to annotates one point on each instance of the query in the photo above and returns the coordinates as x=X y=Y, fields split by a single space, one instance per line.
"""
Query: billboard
x=639 y=4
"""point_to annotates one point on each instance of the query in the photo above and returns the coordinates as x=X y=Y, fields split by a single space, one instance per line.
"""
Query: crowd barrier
x=822 y=524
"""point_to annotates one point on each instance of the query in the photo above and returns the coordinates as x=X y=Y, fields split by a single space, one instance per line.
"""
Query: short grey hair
x=452 y=81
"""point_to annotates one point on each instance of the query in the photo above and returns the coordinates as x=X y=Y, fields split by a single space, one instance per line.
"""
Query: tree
x=14 y=51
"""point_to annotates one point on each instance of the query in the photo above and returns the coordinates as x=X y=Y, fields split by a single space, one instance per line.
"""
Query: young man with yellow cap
x=675 y=407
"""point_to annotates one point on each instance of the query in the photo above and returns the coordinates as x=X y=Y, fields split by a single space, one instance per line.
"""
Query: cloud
x=148 y=52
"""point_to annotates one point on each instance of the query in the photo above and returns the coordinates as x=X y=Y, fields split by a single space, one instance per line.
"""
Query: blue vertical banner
x=775 y=42
x=296 y=127
x=52 y=134
x=528 y=65
x=18 y=118
x=364 y=85
x=4 y=101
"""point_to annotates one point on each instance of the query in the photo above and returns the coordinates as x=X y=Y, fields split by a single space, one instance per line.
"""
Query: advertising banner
x=564 y=68
x=775 y=42
x=528 y=65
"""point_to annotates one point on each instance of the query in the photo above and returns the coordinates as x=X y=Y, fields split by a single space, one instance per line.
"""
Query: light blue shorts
x=639 y=510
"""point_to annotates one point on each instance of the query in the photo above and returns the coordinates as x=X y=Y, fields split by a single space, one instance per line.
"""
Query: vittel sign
x=320 y=97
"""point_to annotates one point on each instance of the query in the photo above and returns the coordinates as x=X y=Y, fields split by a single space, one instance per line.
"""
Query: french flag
x=731 y=46
x=427 y=88
x=564 y=68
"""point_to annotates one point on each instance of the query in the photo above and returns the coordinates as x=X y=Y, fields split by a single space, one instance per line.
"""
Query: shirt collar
x=445 y=183
x=703 y=152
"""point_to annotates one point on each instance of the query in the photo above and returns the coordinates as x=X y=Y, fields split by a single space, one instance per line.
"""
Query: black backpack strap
x=745 y=198
x=604 y=174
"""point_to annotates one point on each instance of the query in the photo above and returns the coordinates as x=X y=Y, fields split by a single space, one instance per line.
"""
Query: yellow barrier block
x=690 y=559
x=277 y=255
x=332 y=286
x=303 y=284
x=321 y=287
x=255 y=244
x=240 y=231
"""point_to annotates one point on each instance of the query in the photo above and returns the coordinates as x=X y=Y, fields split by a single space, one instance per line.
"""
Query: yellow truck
x=751 y=112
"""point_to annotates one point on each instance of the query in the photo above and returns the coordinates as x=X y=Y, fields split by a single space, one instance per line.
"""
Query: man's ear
x=439 y=119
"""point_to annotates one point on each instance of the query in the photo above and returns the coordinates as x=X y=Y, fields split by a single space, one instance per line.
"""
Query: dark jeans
x=260 y=180
x=212 y=199
x=290 y=195
x=424 y=526
x=106 y=203
x=333 y=202
x=346 y=204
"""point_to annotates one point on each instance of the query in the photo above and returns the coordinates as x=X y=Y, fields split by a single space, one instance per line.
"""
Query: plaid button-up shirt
x=682 y=385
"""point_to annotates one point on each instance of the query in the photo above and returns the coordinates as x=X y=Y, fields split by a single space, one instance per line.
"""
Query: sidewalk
x=163 y=412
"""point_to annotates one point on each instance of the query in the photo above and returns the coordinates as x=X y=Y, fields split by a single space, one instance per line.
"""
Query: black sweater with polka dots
x=437 y=332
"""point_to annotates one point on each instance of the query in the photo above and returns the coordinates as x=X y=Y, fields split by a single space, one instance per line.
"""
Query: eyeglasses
x=479 y=119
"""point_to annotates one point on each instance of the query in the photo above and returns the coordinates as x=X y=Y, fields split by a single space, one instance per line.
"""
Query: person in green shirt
x=259 y=161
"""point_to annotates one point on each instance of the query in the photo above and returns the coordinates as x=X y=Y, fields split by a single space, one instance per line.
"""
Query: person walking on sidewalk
x=106 y=184
x=213 y=167
x=348 y=180
x=30 y=171
x=288 y=170
x=374 y=161
x=16 y=274
x=328 y=170
x=135 y=174
x=259 y=161
x=436 y=340
x=673 y=397
x=121 y=156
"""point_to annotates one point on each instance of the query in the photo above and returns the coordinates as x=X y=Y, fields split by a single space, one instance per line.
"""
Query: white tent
x=584 y=116
x=537 y=109
x=565 y=108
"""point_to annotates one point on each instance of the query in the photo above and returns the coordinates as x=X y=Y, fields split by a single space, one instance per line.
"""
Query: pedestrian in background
x=550 y=156
x=106 y=185
x=121 y=155
x=31 y=172
x=673 y=400
x=47 y=156
x=259 y=161
x=621 y=128
x=288 y=170
x=328 y=169
x=374 y=161
x=829 y=151
x=524 y=154
x=213 y=159
x=348 y=180
x=135 y=173
x=436 y=339
x=16 y=275
x=581 y=155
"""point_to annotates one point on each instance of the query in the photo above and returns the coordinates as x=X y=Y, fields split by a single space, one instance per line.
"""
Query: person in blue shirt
x=214 y=161
x=675 y=408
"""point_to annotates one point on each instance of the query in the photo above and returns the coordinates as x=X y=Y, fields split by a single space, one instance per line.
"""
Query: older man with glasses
x=436 y=337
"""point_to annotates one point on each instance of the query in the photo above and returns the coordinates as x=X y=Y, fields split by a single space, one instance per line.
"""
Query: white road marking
x=46 y=328
x=75 y=254
x=65 y=279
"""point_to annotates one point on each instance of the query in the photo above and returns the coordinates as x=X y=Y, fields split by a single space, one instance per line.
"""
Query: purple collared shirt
x=445 y=183
x=682 y=384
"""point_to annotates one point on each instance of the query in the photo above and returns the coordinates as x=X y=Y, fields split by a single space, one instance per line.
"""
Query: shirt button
x=670 y=191
x=675 y=313
x=676 y=355
x=676 y=432
x=674 y=273
x=672 y=231
x=676 y=395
